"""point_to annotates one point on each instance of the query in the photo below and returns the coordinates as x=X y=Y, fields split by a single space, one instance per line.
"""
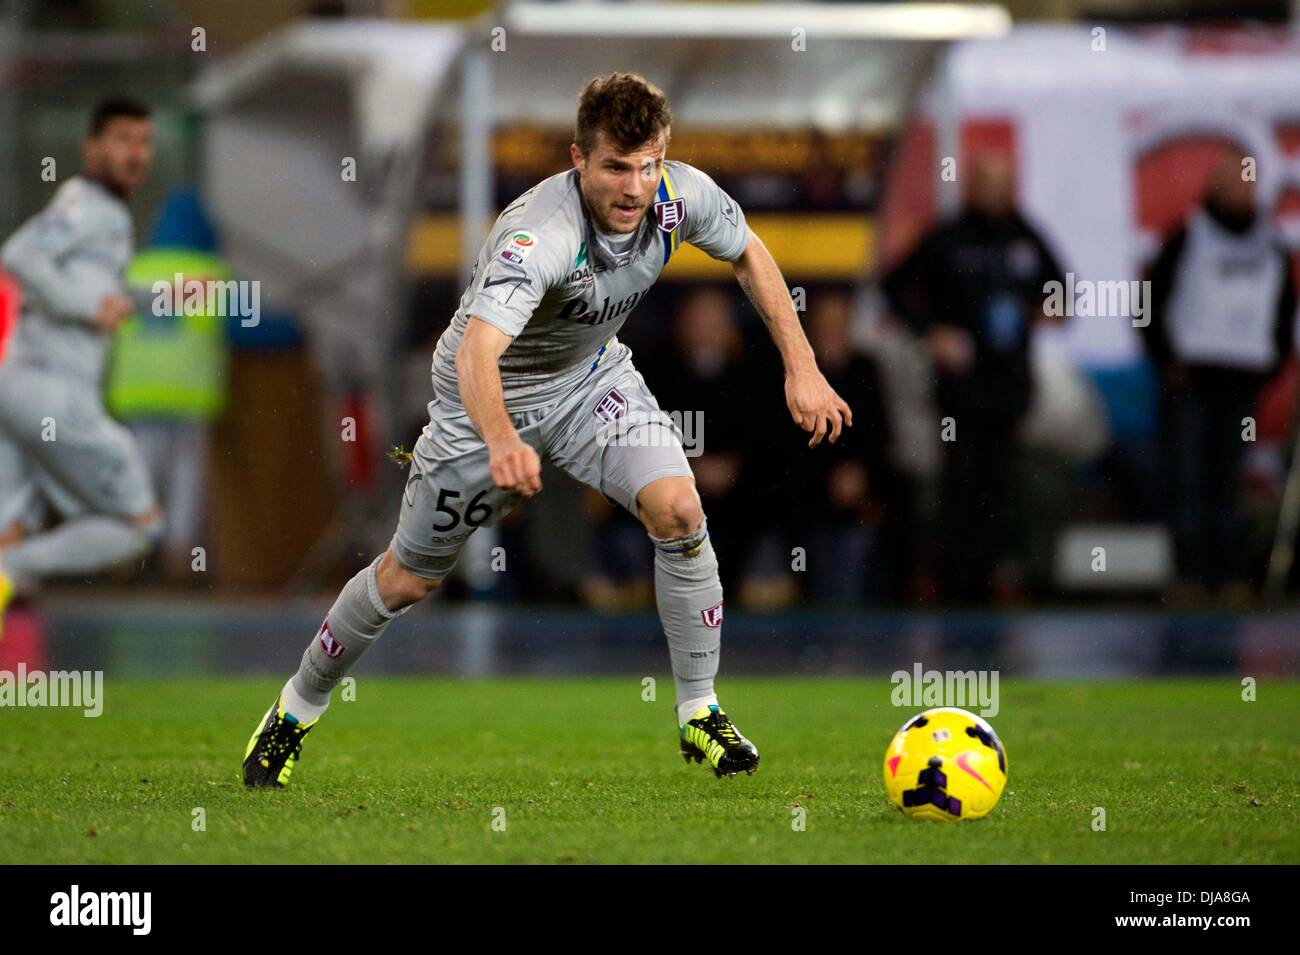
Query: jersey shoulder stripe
x=670 y=213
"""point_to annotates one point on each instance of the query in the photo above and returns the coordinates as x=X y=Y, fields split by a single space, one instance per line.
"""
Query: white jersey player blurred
x=531 y=367
x=59 y=449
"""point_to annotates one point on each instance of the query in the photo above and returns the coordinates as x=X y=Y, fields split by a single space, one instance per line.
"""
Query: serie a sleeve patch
x=519 y=246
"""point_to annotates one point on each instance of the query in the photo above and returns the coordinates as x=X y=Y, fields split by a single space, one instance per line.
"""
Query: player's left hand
x=815 y=406
x=114 y=309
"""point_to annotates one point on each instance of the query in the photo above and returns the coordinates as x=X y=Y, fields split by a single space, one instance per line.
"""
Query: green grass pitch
x=583 y=770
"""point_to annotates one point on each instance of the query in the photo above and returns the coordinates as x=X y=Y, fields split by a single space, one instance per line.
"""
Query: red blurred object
x=358 y=455
x=10 y=300
x=1277 y=404
x=24 y=640
x=1171 y=179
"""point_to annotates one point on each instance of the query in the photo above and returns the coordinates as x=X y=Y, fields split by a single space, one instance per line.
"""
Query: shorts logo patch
x=329 y=646
x=611 y=405
x=670 y=214
x=712 y=616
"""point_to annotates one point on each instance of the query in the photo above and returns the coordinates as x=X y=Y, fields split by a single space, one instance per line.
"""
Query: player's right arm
x=523 y=264
x=38 y=255
x=514 y=465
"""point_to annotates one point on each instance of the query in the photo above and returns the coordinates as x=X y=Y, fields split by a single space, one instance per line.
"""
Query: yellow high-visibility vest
x=172 y=366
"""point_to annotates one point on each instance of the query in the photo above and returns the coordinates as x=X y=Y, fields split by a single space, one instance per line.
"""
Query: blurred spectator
x=705 y=378
x=848 y=488
x=973 y=287
x=1223 y=307
x=167 y=375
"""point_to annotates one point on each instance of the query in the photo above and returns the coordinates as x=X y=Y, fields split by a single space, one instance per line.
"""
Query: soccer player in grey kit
x=58 y=445
x=530 y=367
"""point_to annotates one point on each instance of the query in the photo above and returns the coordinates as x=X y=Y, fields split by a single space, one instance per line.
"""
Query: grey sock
x=82 y=545
x=356 y=621
x=689 y=594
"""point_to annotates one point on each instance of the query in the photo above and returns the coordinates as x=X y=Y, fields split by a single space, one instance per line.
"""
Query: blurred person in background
x=849 y=499
x=58 y=445
x=1223 y=304
x=973 y=287
x=703 y=377
x=167 y=376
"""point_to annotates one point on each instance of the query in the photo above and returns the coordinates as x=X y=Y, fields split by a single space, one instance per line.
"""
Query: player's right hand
x=113 y=309
x=516 y=467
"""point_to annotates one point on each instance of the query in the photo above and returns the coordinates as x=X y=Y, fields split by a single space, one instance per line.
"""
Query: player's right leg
x=365 y=607
x=449 y=494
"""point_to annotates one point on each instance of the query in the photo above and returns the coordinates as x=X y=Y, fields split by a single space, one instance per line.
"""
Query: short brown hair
x=627 y=108
x=107 y=110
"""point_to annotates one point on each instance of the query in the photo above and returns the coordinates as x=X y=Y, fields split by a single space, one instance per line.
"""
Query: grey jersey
x=67 y=258
x=546 y=278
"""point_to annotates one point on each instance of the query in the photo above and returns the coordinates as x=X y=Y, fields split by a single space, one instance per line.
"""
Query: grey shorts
x=608 y=433
x=59 y=448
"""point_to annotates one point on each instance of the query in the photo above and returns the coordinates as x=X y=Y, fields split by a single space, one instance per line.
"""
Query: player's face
x=121 y=154
x=618 y=186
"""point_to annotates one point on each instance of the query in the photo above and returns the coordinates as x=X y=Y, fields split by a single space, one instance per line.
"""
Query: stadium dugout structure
x=282 y=114
x=285 y=117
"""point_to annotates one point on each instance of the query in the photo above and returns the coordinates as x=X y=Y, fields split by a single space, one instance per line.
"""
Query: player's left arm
x=716 y=225
x=813 y=403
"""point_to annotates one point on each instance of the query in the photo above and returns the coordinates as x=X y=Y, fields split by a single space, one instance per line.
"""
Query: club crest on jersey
x=611 y=405
x=670 y=214
x=329 y=646
x=712 y=616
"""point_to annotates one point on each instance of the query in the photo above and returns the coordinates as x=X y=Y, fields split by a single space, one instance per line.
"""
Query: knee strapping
x=686 y=546
x=687 y=558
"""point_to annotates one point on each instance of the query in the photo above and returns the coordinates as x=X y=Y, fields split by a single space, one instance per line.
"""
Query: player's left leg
x=612 y=436
x=688 y=592
x=87 y=544
x=61 y=429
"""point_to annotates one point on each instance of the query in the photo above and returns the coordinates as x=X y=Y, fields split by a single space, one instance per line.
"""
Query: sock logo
x=712 y=616
x=329 y=646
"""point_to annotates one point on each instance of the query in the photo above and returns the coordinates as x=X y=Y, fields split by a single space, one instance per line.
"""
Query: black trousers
x=1203 y=454
x=975 y=521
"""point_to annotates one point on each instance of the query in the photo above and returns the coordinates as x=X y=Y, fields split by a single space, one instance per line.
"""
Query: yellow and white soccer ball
x=945 y=764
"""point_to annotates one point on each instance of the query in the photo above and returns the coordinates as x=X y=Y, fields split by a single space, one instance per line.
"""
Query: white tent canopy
x=834 y=67
x=1084 y=115
x=394 y=70
x=284 y=113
